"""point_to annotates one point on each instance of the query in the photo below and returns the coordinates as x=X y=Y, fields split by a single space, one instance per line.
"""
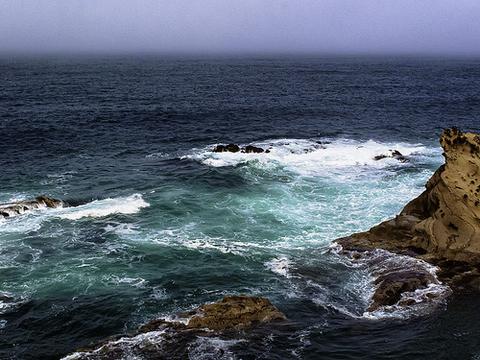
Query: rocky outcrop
x=226 y=148
x=391 y=285
x=172 y=339
x=20 y=207
x=252 y=149
x=233 y=148
x=442 y=225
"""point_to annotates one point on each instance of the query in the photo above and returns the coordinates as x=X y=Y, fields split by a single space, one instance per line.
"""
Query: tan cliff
x=442 y=225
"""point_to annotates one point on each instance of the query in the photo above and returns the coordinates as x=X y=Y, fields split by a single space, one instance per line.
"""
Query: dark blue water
x=162 y=225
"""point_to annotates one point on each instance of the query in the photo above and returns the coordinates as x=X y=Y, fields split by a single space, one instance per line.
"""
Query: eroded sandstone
x=442 y=225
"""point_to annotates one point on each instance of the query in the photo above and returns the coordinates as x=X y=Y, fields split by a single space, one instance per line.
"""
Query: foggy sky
x=241 y=26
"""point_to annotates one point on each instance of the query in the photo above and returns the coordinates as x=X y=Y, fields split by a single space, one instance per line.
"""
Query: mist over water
x=445 y=27
x=160 y=224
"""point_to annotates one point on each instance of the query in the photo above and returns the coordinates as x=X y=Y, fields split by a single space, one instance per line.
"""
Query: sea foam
x=314 y=157
x=99 y=208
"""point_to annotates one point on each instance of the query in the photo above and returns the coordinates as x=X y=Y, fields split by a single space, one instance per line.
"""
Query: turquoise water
x=159 y=224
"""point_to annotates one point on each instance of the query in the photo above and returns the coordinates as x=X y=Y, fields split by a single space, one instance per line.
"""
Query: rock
x=252 y=149
x=392 y=154
x=442 y=225
x=20 y=207
x=231 y=313
x=391 y=286
x=235 y=312
x=233 y=148
x=226 y=148
x=160 y=339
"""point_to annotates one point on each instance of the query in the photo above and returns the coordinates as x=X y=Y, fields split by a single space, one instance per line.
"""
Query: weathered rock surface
x=442 y=225
x=161 y=339
x=20 y=207
x=235 y=312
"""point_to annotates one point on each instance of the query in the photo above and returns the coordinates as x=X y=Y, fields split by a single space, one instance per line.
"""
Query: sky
x=241 y=26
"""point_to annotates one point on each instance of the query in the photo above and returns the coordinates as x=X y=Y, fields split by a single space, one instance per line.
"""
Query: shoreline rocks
x=21 y=207
x=441 y=226
x=160 y=337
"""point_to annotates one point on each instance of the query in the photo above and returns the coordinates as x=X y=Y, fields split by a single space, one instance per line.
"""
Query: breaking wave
x=314 y=157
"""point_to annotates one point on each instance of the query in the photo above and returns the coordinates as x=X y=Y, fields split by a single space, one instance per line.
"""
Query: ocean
x=159 y=224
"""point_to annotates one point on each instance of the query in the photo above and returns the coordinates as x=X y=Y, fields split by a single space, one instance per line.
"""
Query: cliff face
x=442 y=225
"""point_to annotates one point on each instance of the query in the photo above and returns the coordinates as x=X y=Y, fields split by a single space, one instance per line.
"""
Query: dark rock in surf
x=233 y=148
x=391 y=286
x=20 y=207
x=252 y=149
x=395 y=154
x=172 y=339
x=226 y=148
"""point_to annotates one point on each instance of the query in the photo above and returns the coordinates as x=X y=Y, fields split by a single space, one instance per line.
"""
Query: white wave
x=414 y=303
x=125 y=345
x=158 y=155
x=310 y=157
x=32 y=221
x=134 y=282
x=280 y=266
x=212 y=348
x=10 y=302
x=159 y=293
x=122 y=229
x=100 y=208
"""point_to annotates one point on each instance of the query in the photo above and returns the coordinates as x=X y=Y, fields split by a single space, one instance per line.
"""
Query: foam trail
x=100 y=208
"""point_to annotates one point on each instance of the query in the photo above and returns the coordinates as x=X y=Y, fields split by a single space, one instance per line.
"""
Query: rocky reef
x=233 y=148
x=162 y=338
x=441 y=226
x=20 y=207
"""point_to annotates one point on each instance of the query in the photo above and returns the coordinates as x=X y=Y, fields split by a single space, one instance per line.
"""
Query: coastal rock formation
x=172 y=339
x=20 y=207
x=233 y=148
x=252 y=149
x=392 y=154
x=226 y=148
x=441 y=226
x=391 y=285
x=234 y=312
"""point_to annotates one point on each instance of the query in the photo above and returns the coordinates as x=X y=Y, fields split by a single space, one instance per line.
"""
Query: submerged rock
x=161 y=339
x=20 y=207
x=442 y=225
